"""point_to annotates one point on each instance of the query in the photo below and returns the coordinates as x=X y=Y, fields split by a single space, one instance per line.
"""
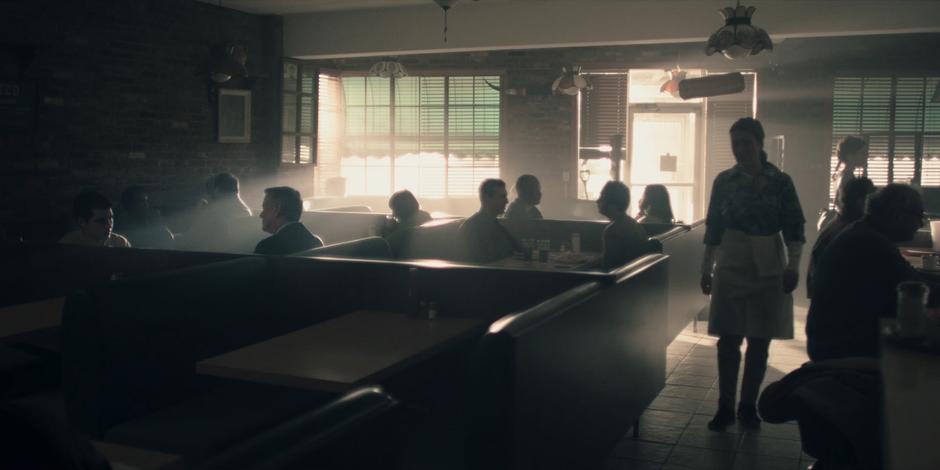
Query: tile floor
x=673 y=432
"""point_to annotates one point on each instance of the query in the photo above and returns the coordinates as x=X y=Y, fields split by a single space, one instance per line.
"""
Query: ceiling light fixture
x=738 y=37
x=445 y=5
x=671 y=86
x=388 y=67
x=571 y=82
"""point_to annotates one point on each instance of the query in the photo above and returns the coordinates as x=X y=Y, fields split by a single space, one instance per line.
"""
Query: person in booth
x=528 y=196
x=142 y=224
x=655 y=207
x=95 y=218
x=483 y=238
x=210 y=229
x=280 y=216
x=406 y=213
x=624 y=238
x=856 y=278
x=851 y=207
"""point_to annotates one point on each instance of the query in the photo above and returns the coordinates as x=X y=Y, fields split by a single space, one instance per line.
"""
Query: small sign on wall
x=17 y=105
x=234 y=116
x=668 y=162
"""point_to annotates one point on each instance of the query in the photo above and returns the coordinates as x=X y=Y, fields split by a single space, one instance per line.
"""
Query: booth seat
x=557 y=385
x=336 y=226
x=129 y=352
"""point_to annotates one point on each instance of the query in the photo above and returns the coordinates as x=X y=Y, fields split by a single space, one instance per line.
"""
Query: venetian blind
x=603 y=112
x=900 y=123
x=436 y=136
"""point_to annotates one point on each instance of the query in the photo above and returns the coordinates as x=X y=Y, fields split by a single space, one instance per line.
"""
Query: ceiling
x=288 y=7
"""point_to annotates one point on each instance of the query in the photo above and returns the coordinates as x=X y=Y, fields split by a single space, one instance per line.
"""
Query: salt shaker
x=912 y=308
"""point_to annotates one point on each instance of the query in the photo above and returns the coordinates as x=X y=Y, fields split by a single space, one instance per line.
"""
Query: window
x=297 y=118
x=436 y=136
x=900 y=123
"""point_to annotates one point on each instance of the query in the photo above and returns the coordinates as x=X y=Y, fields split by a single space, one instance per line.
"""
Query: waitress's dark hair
x=751 y=126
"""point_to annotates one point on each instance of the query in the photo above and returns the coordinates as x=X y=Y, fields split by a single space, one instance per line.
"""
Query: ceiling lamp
x=671 y=86
x=389 y=67
x=445 y=5
x=570 y=82
x=738 y=38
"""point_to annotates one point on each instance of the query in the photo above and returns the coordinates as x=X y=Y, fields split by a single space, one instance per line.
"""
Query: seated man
x=406 y=213
x=851 y=208
x=280 y=216
x=483 y=238
x=95 y=218
x=210 y=229
x=624 y=238
x=528 y=195
x=856 y=277
x=142 y=224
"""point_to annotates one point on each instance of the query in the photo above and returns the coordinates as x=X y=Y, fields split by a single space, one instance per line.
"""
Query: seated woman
x=528 y=196
x=624 y=238
x=655 y=207
x=851 y=207
x=406 y=213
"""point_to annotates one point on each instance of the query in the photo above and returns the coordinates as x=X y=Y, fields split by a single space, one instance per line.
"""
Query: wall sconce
x=227 y=61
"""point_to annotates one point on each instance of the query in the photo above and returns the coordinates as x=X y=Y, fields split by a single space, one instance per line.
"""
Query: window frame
x=447 y=75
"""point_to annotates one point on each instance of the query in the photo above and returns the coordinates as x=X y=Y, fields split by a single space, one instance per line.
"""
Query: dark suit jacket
x=291 y=238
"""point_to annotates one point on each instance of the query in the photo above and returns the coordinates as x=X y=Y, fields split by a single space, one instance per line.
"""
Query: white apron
x=747 y=289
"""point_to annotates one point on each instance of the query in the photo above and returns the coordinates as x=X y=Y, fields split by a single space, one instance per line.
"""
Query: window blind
x=436 y=136
x=299 y=86
x=900 y=123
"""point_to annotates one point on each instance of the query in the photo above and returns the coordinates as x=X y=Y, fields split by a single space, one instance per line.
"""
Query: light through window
x=436 y=136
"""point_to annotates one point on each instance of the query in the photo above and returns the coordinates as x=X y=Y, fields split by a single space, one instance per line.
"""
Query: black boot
x=723 y=418
x=747 y=414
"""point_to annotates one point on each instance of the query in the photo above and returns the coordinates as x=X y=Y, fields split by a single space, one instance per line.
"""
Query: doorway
x=664 y=149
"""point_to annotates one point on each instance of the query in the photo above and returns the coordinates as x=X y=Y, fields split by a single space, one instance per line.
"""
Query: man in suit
x=483 y=238
x=280 y=216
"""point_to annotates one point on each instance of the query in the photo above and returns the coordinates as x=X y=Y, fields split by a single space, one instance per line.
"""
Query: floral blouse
x=763 y=207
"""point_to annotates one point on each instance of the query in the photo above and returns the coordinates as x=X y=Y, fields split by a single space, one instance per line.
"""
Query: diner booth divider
x=556 y=386
x=685 y=246
x=129 y=347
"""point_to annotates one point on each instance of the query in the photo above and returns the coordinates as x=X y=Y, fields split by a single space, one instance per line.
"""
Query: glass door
x=663 y=150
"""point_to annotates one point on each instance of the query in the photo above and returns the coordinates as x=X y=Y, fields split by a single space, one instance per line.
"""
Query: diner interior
x=557 y=340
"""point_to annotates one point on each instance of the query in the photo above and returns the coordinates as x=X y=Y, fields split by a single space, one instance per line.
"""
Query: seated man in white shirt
x=95 y=218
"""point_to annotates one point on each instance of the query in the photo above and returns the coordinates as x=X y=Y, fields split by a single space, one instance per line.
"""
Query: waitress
x=753 y=241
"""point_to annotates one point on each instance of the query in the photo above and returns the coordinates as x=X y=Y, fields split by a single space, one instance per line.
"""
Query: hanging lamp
x=738 y=37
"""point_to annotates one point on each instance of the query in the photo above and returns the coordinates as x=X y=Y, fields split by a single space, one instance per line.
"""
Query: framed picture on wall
x=234 y=115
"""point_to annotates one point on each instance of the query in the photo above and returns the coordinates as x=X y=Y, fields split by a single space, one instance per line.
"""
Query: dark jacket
x=520 y=210
x=854 y=286
x=485 y=240
x=291 y=238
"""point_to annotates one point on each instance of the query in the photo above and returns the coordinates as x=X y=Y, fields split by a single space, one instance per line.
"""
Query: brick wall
x=124 y=98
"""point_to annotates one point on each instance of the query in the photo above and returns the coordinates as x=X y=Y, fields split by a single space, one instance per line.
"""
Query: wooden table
x=913 y=255
x=556 y=262
x=131 y=458
x=335 y=355
x=23 y=318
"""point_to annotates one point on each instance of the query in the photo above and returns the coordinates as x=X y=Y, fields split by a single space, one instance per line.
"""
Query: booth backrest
x=45 y=270
x=336 y=227
x=685 y=247
x=130 y=347
x=436 y=239
x=369 y=247
x=559 y=384
x=653 y=230
x=346 y=209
